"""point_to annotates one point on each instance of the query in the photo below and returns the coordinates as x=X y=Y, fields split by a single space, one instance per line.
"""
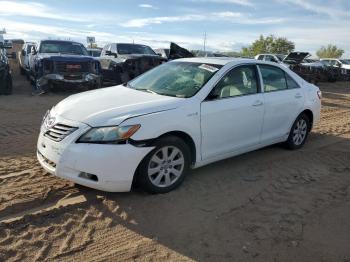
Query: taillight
x=319 y=94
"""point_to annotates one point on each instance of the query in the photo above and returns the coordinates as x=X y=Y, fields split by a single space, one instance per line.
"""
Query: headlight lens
x=108 y=134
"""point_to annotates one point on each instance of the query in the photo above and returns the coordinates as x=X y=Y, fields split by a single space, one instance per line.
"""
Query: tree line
x=281 y=45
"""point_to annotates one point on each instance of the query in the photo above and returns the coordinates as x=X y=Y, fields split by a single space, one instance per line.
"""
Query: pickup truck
x=122 y=62
x=5 y=72
x=56 y=64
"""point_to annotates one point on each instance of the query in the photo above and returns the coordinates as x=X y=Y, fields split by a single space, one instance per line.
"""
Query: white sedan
x=183 y=114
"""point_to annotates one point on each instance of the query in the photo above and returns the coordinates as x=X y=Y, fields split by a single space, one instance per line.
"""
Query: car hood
x=112 y=105
x=296 y=57
x=137 y=56
x=64 y=57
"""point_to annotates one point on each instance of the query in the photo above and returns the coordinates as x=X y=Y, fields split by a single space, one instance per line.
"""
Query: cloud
x=232 y=17
x=328 y=10
x=33 y=9
x=147 y=6
x=237 y=2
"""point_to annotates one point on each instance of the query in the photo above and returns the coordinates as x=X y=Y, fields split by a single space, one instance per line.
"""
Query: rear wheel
x=165 y=167
x=299 y=132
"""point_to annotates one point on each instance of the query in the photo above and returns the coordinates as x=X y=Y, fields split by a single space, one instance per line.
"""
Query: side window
x=291 y=82
x=268 y=58
x=273 y=77
x=261 y=57
x=237 y=82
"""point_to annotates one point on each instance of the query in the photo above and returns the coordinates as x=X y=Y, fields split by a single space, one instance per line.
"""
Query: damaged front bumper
x=87 y=78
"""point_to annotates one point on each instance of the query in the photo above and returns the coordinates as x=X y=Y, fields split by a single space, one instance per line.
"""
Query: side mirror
x=212 y=96
x=33 y=51
x=159 y=54
x=12 y=55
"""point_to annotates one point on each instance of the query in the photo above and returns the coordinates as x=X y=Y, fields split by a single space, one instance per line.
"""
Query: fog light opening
x=88 y=176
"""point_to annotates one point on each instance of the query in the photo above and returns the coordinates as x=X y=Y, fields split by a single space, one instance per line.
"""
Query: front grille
x=59 y=131
x=72 y=67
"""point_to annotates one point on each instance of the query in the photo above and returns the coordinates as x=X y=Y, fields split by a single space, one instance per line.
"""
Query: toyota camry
x=180 y=115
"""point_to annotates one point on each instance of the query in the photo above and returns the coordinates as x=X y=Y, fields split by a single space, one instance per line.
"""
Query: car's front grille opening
x=72 y=67
x=88 y=176
x=47 y=161
x=59 y=131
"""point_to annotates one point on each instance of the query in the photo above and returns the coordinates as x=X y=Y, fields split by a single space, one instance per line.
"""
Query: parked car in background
x=342 y=65
x=58 y=64
x=312 y=71
x=185 y=113
x=163 y=52
x=122 y=62
x=276 y=58
x=94 y=52
x=23 y=57
x=5 y=71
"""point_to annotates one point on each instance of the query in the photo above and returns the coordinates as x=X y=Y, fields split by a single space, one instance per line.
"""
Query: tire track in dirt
x=30 y=188
x=280 y=210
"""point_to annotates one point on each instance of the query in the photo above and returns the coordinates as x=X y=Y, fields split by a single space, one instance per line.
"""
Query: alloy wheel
x=299 y=132
x=166 y=166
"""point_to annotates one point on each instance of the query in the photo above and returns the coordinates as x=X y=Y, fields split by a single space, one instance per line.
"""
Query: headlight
x=109 y=134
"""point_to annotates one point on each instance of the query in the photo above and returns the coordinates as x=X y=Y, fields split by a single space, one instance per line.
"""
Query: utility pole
x=204 y=40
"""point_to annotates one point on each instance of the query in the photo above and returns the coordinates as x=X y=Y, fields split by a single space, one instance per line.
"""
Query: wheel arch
x=310 y=115
x=180 y=134
x=187 y=139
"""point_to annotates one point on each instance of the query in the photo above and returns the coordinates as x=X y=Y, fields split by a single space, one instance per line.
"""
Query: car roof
x=217 y=60
x=64 y=41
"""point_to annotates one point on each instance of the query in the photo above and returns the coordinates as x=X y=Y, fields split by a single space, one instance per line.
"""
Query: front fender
x=183 y=119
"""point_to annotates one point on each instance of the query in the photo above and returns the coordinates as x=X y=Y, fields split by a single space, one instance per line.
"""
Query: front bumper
x=87 y=78
x=113 y=165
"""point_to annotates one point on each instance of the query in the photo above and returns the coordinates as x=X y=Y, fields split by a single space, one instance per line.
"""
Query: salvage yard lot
x=268 y=205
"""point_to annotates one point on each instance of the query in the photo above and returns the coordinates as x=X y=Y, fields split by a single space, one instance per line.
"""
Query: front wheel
x=165 y=167
x=299 y=132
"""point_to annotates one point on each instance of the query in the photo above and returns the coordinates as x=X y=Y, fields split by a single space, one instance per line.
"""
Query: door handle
x=258 y=103
x=298 y=95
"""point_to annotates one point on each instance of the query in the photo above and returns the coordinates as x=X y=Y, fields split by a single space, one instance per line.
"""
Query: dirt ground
x=268 y=205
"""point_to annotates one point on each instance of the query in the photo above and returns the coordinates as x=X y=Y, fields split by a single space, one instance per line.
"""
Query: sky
x=228 y=24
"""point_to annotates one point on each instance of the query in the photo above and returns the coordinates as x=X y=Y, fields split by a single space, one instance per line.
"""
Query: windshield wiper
x=126 y=84
x=148 y=91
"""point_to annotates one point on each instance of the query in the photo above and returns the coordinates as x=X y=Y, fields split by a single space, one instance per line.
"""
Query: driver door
x=232 y=115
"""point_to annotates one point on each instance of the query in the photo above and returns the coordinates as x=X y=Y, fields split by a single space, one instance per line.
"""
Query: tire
x=299 y=132
x=165 y=176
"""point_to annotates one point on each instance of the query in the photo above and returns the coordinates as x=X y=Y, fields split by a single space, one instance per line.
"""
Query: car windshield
x=127 y=49
x=179 y=79
x=63 y=47
x=345 y=61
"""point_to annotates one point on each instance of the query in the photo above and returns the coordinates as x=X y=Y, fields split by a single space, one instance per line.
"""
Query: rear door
x=284 y=100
